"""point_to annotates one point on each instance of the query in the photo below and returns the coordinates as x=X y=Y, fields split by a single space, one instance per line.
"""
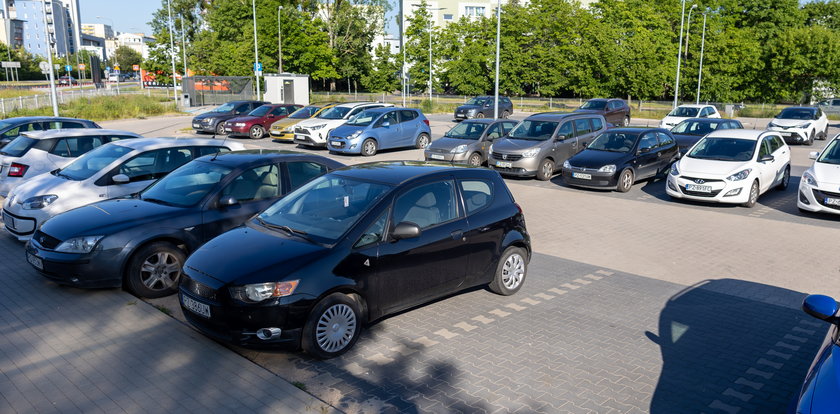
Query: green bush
x=104 y=108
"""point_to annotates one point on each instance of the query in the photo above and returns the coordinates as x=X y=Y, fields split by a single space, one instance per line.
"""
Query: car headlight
x=208 y=120
x=740 y=175
x=771 y=125
x=82 y=244
x=805 y=125
x=460 y=149
x=531 y=153
x=317 y=127
x=39 y=202
x=490 y=150
x=355 y=134
x=472 y=111
x=239 y=124
x=566 y=165
x=809 y=179
x=607 y=169
x=259 y=292
x=675 y=171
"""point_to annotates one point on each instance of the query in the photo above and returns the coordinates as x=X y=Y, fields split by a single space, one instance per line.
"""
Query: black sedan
x=619 y=157
x=353 y=246
x=141 y=242
x=688 y=132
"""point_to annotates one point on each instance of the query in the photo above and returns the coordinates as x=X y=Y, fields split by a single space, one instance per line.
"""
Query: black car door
x=667 y=151
x=486 y=228
x=415 y=270
x=647 y=160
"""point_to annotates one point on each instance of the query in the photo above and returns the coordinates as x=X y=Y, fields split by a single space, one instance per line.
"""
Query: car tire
x=256 y=132
x=154 y=270
x=510 y=272
x=625 y=181
x=505 y=115
x=422 y=141
x=474 y=160
x=825 y=134
x=811 y=139
x=546 y=170
x=753 y=197
x=369 y=147
x=332 y=327
x=785 y=180
x=626 y=121
x=479 y=115
x=220 y=128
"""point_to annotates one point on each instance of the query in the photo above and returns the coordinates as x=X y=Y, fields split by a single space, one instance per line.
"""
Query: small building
x=288 y=88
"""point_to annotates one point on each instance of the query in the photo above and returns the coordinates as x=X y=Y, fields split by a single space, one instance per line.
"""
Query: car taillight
x=426 y=121
x=17 y=170
x=518 y=207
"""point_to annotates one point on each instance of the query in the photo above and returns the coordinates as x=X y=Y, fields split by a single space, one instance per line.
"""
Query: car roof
x=355 y=104
x=753 y=134
x=484 y=121
x=391 y=108
x=557 y=116
x=42 y=118
x=708 y=120
x=247 y=101
x=398 y=172
x=694 y=106
x=813 y=108
x=75 y=132
x=245 y=158
x=637 y=129
x=151 y=143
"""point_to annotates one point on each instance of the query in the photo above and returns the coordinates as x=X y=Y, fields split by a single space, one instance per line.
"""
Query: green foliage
x=384 y=77
x=105 y=108
x=126 y=57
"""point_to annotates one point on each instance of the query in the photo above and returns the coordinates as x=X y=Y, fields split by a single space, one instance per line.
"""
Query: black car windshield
x=224 y=108
x=187 y=185
x=699 y=128
x=831 y=154
x=335 y=112
x=364 y=118
x=534 y=130
x=724 y=149
x=261 y=111
x=325 y=208
x=467 y=130
x=684 y=112
x=477 y=101
x=303 y=113
x=594 y=105
x=796 y=113
x=614 y=142
x=18 y=146
x=92 y=162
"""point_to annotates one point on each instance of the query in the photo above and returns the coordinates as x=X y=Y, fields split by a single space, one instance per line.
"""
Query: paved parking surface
x=633 y=303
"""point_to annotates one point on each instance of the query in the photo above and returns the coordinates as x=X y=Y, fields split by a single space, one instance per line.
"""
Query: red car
x=256 y=123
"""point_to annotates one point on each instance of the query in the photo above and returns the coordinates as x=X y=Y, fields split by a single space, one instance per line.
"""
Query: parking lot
x=633 y=303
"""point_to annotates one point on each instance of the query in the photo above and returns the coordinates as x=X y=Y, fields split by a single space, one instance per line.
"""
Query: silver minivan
x=539 y=144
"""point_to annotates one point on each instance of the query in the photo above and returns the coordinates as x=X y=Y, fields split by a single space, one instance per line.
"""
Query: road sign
x=44 y=66
x=107 y=68
x=257 y=67
x=135 y=68
x=82 y=66
x=116 y=67
x=11 y=64
x=68 y=68
x=57 y=66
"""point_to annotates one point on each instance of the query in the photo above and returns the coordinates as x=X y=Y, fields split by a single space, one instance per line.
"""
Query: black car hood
x=246 y=255
x=684 y=141
x=468 y=107
x=224 y=115
x=589 y=158
x=107 y=217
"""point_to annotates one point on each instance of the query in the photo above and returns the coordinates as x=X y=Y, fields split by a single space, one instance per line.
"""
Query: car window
x=764 y=147
x=648 y=141
x=75 y=146
x=836 y=102
x=664 y=139
x=71 y=124
x=597 y=124
x=406 y=115
x=302 y=171
x=477 y=194
x=582 y=127
x=202 y=151
x=508 y=126
x=390 y=117
x=186 y=185
x=373 y=234
x=427 y=205
x=567 y=130
x=36 y=126
x=495 y=131
x=155 y=164
x=243 y=108
x=778 y=142
x=254 y=184
x=355 y=111
x=505 y=100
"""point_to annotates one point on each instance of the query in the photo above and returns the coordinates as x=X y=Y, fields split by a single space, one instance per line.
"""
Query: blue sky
x=127 y=15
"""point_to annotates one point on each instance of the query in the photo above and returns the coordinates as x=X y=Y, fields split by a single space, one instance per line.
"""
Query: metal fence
x=8 y=105
x=216 y=90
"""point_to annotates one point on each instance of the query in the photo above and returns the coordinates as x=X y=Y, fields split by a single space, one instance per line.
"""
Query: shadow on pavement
x=733 y=345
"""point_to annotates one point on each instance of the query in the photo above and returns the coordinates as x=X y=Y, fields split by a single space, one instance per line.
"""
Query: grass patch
x=759 y=112
x=300 y=385
x=14 y=93
x=164 y=309
x=105 y=108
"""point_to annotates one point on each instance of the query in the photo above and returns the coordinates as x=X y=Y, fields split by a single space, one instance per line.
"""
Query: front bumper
x=589 y=178
x=22 y=223
x=308 y=138
x=465 y=115
x=720 y=190
x=282 y=135
x=514 y=165
x=792 y=135
x=446 y=157
x=98 y=269
x=202 y=127
x=233 y=130
x=814 y=199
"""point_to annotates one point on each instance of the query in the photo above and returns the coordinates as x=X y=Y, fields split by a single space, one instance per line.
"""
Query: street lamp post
x=49 y=40
x=688 y=28
x=256 y=55
x=183 y=44
x=498 y=40
x=279 y=42
x=702 y=47
x=679 y=56
x=172 y=51
x=402 y=50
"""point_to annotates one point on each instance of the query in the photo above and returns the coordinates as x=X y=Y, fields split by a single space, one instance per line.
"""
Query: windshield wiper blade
x=156 y=200
x=292 y=232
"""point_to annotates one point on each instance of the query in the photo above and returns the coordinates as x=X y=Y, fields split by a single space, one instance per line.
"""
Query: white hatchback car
x=819 y=188
x=731 y=166
x=683 y=112
x=112 y=170
x=313 y=132
x=800 y=124
x=37 y=152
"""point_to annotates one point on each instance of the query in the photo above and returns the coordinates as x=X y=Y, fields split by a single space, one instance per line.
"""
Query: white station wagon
x=819 y=188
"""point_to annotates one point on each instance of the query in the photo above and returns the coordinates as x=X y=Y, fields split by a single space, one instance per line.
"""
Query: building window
x=447 y=17
x=474 y=11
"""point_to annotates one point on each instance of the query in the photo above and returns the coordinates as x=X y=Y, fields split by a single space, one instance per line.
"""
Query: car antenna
x=219 y=148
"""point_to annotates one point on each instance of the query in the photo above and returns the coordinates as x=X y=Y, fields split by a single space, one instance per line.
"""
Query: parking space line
x=515 y=307
x=774 y=365
x=531 y=301
x=500 y=313
x=739 y=395
x=446 y=333
x=763 y=374
x=787 y=346
x=543 y=296
x=557 y=291
x=799 y=339
x=582 y=282
x=604 y=272
x=569 y=286
x=593 y=277
x=483 y=319
x=425 y=341
x=717 y=405
x=465 y=326
x=380 y=359
x=775 y=353
x=805 y=331
x=752 y=384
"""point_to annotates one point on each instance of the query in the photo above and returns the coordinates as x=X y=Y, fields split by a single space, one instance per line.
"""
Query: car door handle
x=458 y=234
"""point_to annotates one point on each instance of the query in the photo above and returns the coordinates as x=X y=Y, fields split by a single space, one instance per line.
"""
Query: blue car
x=381 y=128
x=821 y=389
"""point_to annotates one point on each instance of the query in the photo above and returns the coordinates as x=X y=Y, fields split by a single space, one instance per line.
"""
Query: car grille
x=820 y=196
x=438 y=150
x=302 y=131
x=705 y=180
x=46 y=241
x=699 y=193
x=507 y=157
x=197 y=288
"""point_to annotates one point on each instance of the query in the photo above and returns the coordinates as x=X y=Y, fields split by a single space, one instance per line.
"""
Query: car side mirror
x=813 y=155
x=385 y=124
x=644 y=150
x=560 y=137
x=120 y=179
x=765 y=158
x=405 y=230
x=679 y=155
x=228 y=201
x=821 y=307
x=270 y=116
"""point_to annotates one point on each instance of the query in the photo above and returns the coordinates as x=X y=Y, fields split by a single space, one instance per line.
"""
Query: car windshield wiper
x=156 y=201
x=292 y=232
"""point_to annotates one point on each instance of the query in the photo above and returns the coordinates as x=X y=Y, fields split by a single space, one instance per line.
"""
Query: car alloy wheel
x=625 y=181
x=479 y=115
x=422 y=141
x=332 y=327
x=220 y=128
x=625 y=121
x=257 y=132
x=505 y=115
x=785 y=180
x=369 y=147
x=546 y=170
x=155 y=270
x=753 y=195
x=474 y=160
x=510 y=272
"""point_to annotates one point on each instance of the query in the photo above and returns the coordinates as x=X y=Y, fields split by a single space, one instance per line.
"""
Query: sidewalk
x=105 y=351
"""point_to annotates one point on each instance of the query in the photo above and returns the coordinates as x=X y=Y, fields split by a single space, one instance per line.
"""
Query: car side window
x=71 y=125
x=495 y=131
x=373 y=234
x=301 y=172
x=764 y=147
x=241 y=109
x=775 y=143
x=648 y=142
x=582 y=127
x=567 y=130
x=664 y=139
x=202 y=151
x=597 y=124
x=280 y=111
x=255 y=184
x=76 y=146
x=406 y=115
x=390 y=117
x=836 y=102
x=508 y=126
x=477 y=194
x=427 y=205
x=779 y=142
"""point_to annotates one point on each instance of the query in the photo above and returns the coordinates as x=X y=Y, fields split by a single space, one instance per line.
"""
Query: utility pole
x=172 y=51
x=256 y=55
x=50 y=44
x=183 y=44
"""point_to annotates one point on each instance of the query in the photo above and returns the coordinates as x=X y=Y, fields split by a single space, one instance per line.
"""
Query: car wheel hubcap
x=513 y=271
x=424 y=142
x=160 y=271
x=369 y=148
x=627 y=182
x=336 y=328
x=474 y=160
x=547 y=169
x=754 y=193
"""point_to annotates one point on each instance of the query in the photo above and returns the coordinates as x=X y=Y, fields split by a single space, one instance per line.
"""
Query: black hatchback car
x=688 y=132
x=614 y=110
x=11 y=128
x=214 y=121
x=621 y=156
x=141 y=242
x=482 y=107
x=352 y=246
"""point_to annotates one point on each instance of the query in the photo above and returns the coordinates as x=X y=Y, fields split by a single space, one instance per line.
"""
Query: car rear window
x=18 y=146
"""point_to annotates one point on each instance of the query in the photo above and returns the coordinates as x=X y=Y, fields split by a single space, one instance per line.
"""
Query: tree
x=384 y=77
x=126 y=58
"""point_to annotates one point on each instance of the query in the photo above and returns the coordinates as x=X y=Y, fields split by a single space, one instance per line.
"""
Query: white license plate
x=699 y=188
x=9 y=221
x=195 y=306
x=35 y=261
x=436 y=157
x=785 y=134
x=832 y=201
x=337 y=144
x=228 y=129
x=197 y=126
x=504 y=164
x=582 y=176
x=299 y=137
